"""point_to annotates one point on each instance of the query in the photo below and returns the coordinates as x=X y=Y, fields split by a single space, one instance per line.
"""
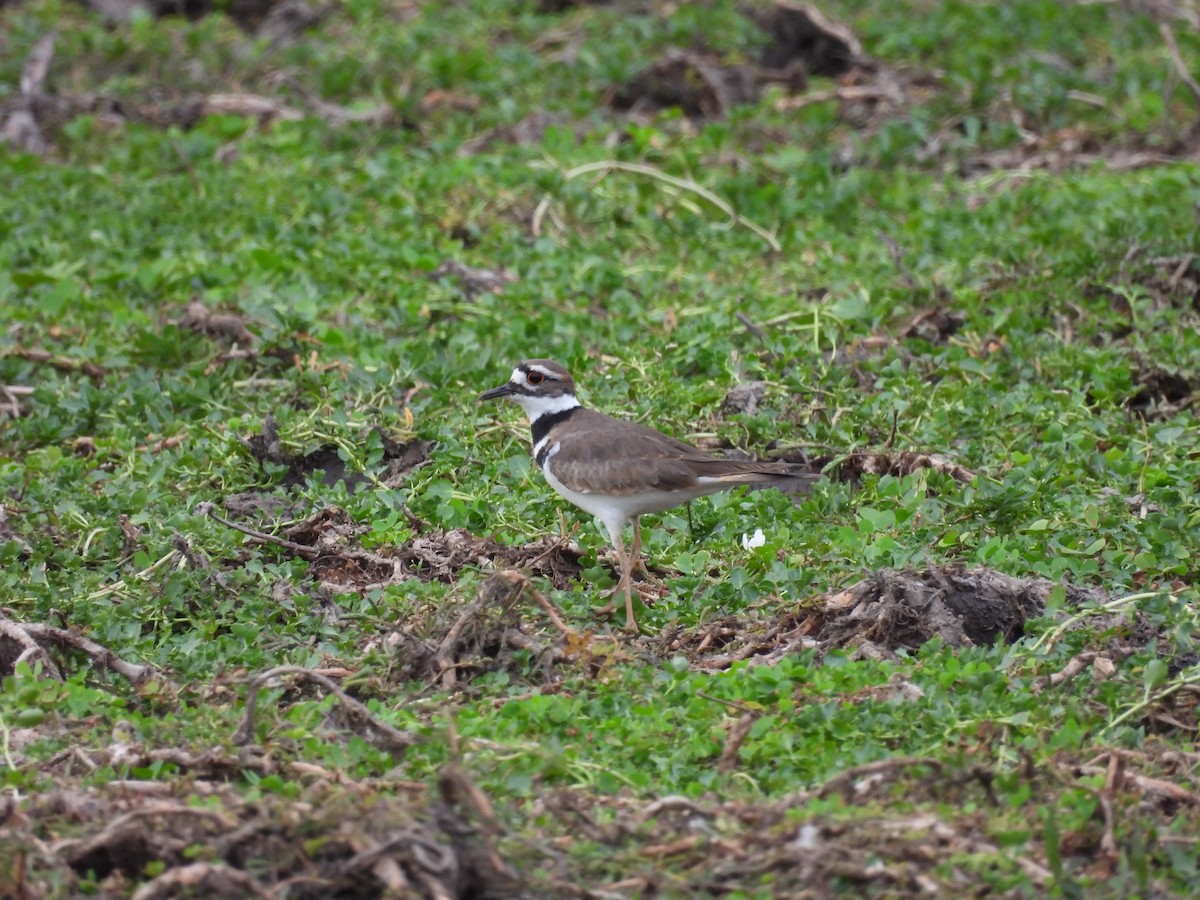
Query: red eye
x=535 y=377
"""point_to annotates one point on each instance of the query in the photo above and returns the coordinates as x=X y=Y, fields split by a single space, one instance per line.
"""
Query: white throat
x=536 y=407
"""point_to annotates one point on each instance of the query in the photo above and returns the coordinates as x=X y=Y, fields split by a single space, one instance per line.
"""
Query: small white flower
x=758 y=540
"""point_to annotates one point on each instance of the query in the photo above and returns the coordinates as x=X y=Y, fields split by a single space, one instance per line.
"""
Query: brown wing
x=601 y=454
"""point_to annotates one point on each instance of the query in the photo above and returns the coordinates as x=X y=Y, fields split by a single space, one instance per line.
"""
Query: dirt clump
x=886 y=612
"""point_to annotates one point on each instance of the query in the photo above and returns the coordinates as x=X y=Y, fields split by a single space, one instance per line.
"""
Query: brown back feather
x=602 y=454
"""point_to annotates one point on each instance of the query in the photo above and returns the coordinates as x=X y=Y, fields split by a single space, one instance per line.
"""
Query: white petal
x=759 y=539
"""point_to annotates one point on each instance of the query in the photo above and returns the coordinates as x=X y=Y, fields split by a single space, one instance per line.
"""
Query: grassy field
x=285 y=612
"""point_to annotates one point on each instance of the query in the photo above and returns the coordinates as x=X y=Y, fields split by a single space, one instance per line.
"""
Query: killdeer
x=618 y=470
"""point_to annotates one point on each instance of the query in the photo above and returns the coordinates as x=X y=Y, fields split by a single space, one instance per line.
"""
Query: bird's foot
x=645 y=592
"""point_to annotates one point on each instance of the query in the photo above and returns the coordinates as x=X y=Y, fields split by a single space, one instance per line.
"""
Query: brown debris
x=328 y=538
x=343 y=838
x=472 y=281
x=385 y=837
x=1175 y=280
x=744 y=398
x=529 y=130
x=10 y=400
x=1161 y=394
x=288 y=19
x=400 y=458
x=62 y=363
x=802 y=35
x=230 y=329
x=27 y=118
x=483 y=635
x=879 y=615
x=698 y=85
x=907 y=609
x=1060 y=151
x=27 y=642
x=22 y=130
x=735 y=736
x=801 y=42
x=899 y=463
x=18 y=646
x=356 y=716
x=202 y=879
x=7 y=533
x=720 y=848
x=934 y=325
x=442 y=556
x=557 y=6
x=261 y=507
x=277 y=20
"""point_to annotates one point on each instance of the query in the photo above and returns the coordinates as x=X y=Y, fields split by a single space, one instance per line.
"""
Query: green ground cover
x=1031 y=185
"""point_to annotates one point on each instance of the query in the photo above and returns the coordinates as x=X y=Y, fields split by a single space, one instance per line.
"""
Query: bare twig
x=739 y=730
x=12 y=394
x=99 y=654
x=385 y=735
x=1168 y=36
x=301 y=550
x=31 y=651
x=430 y=855
x=305 y=551
x=22 y=130
x=551 y=612
x=844 y=782
x=131 y=822
x=213 y=879
x=449 y=645
x=750 y=326
x=851 y=94
x=339 y=116
x=62 y=363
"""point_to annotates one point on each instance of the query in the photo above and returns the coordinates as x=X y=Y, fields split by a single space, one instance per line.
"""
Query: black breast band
x=542 y=425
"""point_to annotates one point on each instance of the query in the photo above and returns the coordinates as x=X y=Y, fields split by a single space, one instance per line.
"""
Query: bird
x=619 y=470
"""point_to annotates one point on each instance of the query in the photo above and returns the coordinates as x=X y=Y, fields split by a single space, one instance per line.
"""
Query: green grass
x=324 y=239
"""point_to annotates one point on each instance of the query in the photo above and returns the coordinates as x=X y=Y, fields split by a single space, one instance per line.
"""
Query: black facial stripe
x=542 y=424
